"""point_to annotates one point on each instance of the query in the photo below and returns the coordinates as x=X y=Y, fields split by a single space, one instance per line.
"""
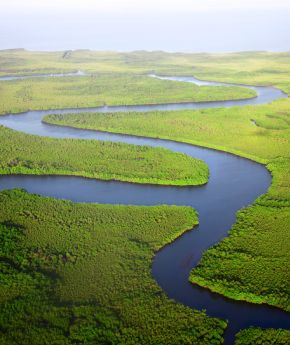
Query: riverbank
x=178 y=256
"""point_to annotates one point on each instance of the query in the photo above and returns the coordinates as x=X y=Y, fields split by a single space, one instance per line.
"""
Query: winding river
x=234 y=183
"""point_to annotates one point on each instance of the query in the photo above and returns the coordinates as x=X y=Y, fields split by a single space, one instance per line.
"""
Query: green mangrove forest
x=80 y=273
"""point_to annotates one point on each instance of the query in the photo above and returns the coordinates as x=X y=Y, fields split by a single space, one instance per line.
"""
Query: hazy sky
x=172 y=25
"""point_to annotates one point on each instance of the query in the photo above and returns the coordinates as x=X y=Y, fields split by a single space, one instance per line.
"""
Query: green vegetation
x=256 y=68
x=39 y=285
x=216 y=128
x=27 y=154
x=81 y=274
x=263 y=337
x=110 y=89
x=252 y=263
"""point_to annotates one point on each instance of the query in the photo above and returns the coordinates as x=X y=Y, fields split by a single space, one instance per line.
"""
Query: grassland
x=252 y=263
x=27 y=154
x=263 y=336
x=81 y=274
x=109 y=89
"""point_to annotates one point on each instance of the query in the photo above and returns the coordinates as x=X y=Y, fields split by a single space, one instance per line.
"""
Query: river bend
x=234 y=183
